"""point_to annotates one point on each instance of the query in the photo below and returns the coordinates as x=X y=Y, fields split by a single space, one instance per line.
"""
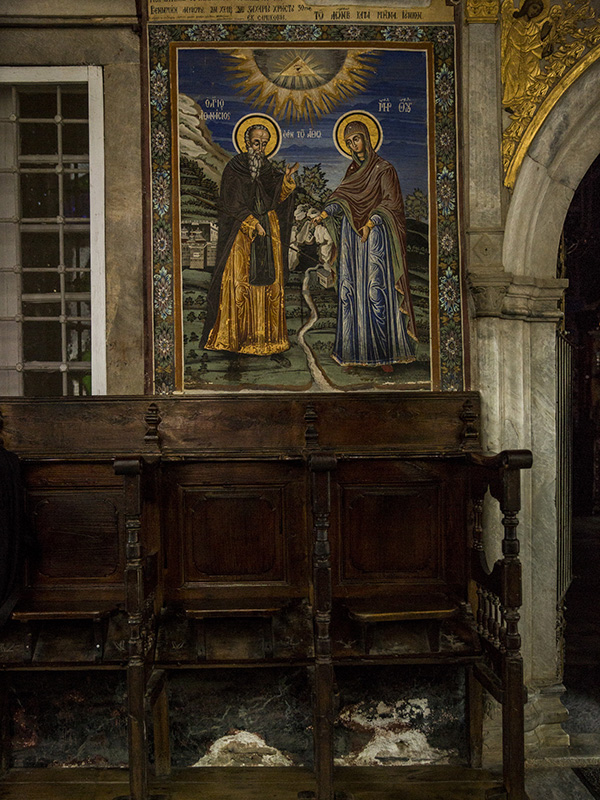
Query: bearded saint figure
x=365 y=215
x=245 y=304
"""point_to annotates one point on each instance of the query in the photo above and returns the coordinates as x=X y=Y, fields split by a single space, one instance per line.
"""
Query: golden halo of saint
x=249 y=121
x=373 y=126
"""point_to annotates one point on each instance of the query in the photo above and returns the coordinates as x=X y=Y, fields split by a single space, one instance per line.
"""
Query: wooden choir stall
x=309 y=531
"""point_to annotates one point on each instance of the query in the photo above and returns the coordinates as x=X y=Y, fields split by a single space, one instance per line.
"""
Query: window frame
x=92 y=76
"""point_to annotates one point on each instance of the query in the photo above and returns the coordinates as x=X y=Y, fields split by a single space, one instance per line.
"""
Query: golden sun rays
x=298 y=83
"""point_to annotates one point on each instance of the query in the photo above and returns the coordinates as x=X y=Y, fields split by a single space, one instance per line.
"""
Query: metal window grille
x=46 y=286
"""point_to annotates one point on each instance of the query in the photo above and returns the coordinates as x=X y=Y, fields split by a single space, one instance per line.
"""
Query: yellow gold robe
x=251 y=319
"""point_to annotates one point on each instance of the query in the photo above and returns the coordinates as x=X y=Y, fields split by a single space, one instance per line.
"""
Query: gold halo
x=373 y=126
x=249 y=121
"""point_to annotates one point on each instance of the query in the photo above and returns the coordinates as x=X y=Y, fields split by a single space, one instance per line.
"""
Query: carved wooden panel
x=391 y=533
x=398 y=526
x=241 y=523
x=77 y=534
x=75 y=514
x=234 y=533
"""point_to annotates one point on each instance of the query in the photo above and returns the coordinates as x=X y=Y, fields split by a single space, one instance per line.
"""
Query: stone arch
x=557 y=160
x=560 y=155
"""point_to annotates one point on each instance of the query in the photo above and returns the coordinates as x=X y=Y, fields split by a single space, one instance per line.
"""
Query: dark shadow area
x=582 y=327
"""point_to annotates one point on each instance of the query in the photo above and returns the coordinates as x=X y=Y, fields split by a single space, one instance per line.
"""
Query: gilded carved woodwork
x=482 y=10
x=544 y=50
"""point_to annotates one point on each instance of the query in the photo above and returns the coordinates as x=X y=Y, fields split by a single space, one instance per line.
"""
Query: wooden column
x=156 y=695
x=321 y=466
x=4 y=725
x=513 y=743
x=131 y=469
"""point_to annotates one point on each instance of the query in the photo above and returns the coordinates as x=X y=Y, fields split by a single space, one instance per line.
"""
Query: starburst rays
x=300 y=84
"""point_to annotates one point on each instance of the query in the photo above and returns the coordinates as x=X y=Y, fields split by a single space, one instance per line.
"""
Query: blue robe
x=371 y=328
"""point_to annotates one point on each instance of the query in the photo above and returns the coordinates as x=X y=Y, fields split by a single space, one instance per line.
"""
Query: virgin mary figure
x=365 y=215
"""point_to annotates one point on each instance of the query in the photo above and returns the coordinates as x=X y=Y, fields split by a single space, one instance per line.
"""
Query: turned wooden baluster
x=130 y=469
x=321 y=466
x=513 y=743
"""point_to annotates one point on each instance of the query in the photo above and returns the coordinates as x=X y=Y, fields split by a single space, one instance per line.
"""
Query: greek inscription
x=214 y=102
x=312 y=133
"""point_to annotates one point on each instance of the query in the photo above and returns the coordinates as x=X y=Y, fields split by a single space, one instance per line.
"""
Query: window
x=52 y=295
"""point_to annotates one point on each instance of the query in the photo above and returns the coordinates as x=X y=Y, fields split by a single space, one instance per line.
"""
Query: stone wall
x=59 y=34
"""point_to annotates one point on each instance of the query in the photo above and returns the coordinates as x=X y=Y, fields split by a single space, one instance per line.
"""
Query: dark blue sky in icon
x=401 y=75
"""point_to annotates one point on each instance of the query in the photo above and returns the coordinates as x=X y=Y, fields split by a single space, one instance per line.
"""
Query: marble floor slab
x=555 y=784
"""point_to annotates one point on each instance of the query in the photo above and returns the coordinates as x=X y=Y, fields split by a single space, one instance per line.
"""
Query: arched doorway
x=582 y=329
x=556 y=162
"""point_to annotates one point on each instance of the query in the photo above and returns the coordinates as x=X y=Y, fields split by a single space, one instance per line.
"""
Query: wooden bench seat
x=247 y=607
x=328 y=530
x=32 y=610
x=397 y=609
x=426 y=612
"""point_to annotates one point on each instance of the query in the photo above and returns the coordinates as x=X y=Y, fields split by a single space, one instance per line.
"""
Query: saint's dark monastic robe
x=246 y=311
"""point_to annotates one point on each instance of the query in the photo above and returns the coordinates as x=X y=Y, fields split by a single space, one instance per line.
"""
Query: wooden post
x=513 y=741
x=474 y=700
x=513 y=712
x=130 y=469
x=321 y=465
x=499 y=597
x=137 y=734
x=156 y=695
x=4 y=725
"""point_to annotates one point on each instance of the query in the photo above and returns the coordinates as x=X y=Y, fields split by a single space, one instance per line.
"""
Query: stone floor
x=555 y=784
x=582 y=667
x=367 y=783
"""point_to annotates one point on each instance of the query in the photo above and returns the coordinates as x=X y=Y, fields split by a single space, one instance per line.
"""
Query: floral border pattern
x=451 y=352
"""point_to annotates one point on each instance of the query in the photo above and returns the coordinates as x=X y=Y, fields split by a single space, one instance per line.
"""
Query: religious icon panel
x=304 y=212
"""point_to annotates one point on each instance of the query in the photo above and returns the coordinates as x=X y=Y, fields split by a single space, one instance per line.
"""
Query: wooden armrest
x=397 y=609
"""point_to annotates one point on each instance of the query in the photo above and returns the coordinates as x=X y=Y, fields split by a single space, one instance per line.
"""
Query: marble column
x=517 y=379
x=513 y=333
x=482 y=164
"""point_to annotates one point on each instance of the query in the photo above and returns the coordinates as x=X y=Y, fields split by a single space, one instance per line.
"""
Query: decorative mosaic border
x=451 y=352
